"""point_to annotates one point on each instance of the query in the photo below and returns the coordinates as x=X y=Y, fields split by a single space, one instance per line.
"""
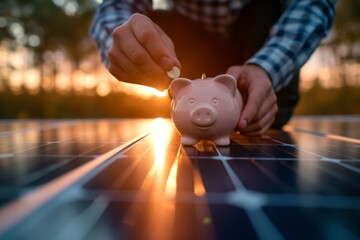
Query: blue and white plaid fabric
x=292 y=39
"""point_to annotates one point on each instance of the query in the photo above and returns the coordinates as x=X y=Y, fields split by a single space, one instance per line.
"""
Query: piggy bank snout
x=203 y=116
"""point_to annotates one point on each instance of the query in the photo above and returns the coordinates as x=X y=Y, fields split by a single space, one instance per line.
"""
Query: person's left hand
x=259 y=99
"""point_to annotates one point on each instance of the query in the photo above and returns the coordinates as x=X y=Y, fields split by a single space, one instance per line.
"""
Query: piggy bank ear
x=228 y=81
x=178 y=84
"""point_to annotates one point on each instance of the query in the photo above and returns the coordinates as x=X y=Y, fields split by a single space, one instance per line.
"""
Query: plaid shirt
x=292 y=40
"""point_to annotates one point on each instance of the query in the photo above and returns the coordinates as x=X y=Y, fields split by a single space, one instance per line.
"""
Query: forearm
x=110 y=14
x=294 y=38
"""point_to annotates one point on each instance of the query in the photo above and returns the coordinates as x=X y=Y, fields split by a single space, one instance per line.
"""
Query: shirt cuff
x=277 y=63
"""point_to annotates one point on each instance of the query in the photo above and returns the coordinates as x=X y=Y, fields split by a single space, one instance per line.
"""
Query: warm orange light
x=160 y=138
x=288 y=128
x=162 y=187
x=341 y=138
x=199 y=188
x=139 y=90
x=160 y=93
x=170 y=186
x=203 y=76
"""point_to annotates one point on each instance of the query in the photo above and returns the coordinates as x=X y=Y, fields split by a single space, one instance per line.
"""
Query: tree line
x=46 y=27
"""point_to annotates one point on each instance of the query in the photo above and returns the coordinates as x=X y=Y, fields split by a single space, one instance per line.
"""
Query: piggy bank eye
x=215 y=101
x=191 y=100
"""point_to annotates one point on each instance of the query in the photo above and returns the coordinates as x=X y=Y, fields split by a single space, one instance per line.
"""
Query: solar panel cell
x=132 y=179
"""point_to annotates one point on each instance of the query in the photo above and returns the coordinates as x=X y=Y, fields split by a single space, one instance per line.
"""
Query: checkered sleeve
x=110 y=14
x=293 y=39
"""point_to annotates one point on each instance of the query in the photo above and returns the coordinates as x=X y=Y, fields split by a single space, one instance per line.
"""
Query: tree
x=347 y=30
x=48 y=26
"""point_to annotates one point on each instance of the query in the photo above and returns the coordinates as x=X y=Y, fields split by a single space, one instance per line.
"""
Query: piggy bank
x=205 y=109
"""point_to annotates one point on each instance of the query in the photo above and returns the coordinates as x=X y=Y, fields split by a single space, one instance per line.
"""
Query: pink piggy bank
x=205 y=109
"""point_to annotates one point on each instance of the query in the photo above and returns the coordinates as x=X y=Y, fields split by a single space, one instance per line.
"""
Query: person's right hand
x=142 y=53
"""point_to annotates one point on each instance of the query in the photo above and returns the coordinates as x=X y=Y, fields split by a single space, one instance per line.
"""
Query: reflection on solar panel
x=132 y=179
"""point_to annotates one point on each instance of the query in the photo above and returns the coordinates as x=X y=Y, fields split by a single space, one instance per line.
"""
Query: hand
x=259 y=99
x=142 y=53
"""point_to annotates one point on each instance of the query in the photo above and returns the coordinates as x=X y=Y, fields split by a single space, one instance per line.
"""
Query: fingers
x=262 y=120
x=259 y=99
x=152 y=39
x=126 y=42
x=268 y=106
x=263 y=123
x=122 y=68
x=116 y=59
x=259 y=113
x=255 y=93
x=168 y=43
x=259 y=132
x=253 y=104
x=142 y=53
x=136 y=77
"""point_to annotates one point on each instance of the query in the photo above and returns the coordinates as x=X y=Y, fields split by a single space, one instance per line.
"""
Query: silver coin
x=174 y=73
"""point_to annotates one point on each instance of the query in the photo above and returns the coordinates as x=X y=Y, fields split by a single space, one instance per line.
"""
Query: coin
x=174 y=73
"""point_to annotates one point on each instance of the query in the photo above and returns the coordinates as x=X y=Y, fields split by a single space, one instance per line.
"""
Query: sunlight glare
x=161 y=181
x=156 y=178
x=162 y=134
x=140 y=90
x=32 y=81
x=170 y=186
x=78 y=81
x=160 y=93
x=199 y=188
x=160 y=139
x=16 y=82
x=103 y=89
x=90 y=81
x=62 y=83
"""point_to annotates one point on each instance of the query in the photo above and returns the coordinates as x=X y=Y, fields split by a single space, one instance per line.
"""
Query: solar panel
x=132 y=179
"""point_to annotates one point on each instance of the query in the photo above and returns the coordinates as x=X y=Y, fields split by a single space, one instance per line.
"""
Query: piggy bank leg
x=222 y=141
x=188 y=141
